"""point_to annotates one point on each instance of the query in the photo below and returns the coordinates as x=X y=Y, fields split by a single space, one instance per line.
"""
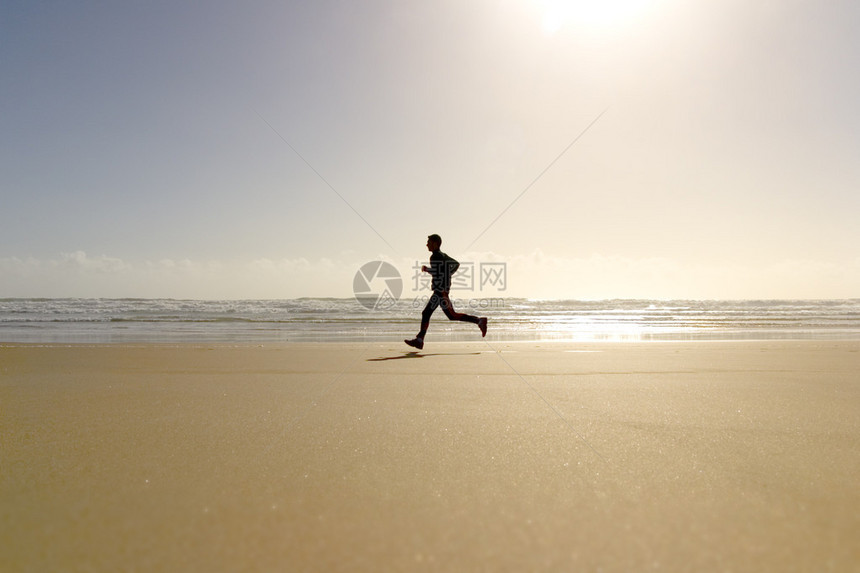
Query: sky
x=700 y=149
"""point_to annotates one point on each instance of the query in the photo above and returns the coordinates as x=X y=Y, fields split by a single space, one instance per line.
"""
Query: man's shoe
x=482 y=324
x=416 y=343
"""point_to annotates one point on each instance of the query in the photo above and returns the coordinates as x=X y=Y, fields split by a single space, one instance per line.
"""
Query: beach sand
x=675 y=456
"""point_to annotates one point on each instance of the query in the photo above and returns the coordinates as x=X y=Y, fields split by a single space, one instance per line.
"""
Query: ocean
x=99 y=321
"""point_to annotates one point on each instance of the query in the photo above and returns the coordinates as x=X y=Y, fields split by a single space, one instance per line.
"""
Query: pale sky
x=137 y=158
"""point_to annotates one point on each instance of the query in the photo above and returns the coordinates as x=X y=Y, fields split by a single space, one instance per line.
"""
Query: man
x=441 y=268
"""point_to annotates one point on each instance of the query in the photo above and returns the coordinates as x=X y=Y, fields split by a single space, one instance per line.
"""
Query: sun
x=589 y=14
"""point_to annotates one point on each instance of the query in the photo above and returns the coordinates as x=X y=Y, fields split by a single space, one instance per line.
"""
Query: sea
x=105 y=321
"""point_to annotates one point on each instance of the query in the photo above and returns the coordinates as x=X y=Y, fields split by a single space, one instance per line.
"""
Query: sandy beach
x=675 y=456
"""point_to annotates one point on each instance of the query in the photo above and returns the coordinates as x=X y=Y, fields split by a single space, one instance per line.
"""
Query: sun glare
x=589 y=14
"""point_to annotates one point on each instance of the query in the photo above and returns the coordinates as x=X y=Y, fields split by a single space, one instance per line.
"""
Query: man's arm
x=436 y=262
x=451 y=266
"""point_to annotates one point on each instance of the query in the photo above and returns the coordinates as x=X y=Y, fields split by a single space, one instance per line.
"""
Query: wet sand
x=676 y=456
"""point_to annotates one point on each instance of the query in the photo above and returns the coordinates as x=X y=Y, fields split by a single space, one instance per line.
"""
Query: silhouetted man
x=441 y=268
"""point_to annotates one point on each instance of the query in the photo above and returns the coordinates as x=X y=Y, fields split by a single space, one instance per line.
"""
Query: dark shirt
x=441 y=268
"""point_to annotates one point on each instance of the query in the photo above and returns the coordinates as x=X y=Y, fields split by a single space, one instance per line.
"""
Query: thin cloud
x=533 y=275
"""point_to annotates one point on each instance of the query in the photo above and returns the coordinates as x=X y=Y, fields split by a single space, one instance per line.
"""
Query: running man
x=441 y=268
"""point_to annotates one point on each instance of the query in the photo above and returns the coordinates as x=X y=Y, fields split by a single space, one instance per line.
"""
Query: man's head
x=434 y=242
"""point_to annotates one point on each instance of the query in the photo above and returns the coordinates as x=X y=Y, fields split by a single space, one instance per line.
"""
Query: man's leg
x=418 y=341
x=428 y=311
x=448 y=309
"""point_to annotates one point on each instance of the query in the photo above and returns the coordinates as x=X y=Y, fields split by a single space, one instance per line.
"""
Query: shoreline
x=240 y=342
x=728 y=455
